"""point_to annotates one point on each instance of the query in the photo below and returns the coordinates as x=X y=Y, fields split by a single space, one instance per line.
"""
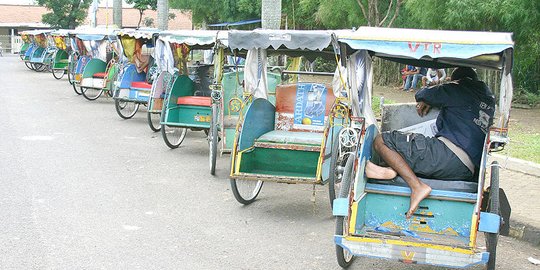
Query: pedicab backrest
x=303 y=106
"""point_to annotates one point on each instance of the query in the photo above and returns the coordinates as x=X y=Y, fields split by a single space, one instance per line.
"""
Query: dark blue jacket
x=467 y=109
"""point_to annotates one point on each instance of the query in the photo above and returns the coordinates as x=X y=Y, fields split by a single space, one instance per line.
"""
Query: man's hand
x=422 y=108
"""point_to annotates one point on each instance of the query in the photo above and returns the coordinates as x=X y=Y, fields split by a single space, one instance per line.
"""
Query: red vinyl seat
x=99 y=75
x=143 y=85
x=195 y=101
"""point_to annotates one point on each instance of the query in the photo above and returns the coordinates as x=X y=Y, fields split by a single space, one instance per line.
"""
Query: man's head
x=464 y=72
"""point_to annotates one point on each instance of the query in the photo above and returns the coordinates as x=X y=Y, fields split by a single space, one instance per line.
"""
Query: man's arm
x=436 y=96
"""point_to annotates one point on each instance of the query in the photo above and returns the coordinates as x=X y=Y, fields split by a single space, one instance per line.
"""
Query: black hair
x=464 y=72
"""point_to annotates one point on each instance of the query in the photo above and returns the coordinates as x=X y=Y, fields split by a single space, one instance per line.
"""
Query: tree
x=214 y=11
x=66 y=14
x=142 y=5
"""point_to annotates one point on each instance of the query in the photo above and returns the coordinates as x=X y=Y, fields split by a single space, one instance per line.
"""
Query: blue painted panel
x=130 y=75
x=81 y=63
x=259 y=119
x=364 y=154
x=341 y=207
x=30 y=50
x=435 y=192
x=433 y=216
x=489 y=222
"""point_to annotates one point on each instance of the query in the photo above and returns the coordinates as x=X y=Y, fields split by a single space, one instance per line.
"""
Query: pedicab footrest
x=195 y=101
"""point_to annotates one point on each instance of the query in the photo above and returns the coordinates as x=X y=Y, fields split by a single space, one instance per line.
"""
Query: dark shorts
x=428 y=157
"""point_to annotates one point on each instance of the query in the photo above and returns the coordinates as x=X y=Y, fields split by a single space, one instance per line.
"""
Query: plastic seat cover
x=195 y=101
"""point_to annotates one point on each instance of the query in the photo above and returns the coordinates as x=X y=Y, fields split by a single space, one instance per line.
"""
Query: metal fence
x=10 y=44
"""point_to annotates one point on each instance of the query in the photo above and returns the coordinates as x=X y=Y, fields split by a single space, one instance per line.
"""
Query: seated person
x=431 y=78
x=404 y=73
x=467 y=109
x=412 y=78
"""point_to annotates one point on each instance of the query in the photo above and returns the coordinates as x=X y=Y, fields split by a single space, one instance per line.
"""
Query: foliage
x=214 y=11
x=518 y=16
x=66 y=14
x=143 y=5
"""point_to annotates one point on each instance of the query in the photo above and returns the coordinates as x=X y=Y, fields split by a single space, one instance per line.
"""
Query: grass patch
x=524 y=145
x=376 y=104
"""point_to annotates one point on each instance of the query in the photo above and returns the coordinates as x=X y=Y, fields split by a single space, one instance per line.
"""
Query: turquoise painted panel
x=189 y=116
x=259 y=119
x=94 y=66
x=341 y=207
x=432 y=216
x=273 y=80
x=229 y=137
x=364 y=154
x=129 y=75
x=232 y=88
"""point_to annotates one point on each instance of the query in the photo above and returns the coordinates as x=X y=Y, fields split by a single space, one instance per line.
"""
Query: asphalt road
x=81 y=188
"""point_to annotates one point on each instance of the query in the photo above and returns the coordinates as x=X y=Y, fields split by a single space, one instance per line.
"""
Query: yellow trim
x=474 y=226
x=352 y=221
x=407 y=243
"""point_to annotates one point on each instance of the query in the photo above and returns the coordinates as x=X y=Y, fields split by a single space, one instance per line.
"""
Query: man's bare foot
x=417 y=195
x=377 y=172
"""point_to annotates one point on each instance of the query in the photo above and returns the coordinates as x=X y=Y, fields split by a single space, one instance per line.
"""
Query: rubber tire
x=56 y=76
x=119 y=109
x=254 y=193
x=29 y=65
x=151 y=123
x=76 y=89
x=333 y=165
x=213 y=139
x=91 y=98
x=39 y=67
x=343 y=260
x=172 y=145
x=493 y=207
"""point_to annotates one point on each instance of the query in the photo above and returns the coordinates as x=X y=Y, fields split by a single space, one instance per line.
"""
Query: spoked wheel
x=344 y=257
x=21 y=55
x=76 y=88
x=91 y=93
x=337 y=163
x=246 y=191
x=58 y=73
x=39 y=67
x=493 y=207
x=213 y=139
x=29 y=65
x=173 y=136
x=153 y=121
x=126 y=109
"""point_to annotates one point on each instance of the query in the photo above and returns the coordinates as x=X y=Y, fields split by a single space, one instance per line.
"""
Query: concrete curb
x=525 y=232
x=517 y=165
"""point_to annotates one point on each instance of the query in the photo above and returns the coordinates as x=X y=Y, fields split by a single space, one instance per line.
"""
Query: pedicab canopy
x=261 y=42
x=173 y=48
x=38 y=37
x=59 y=38
x=96 y=40
x=138 y=46
x=429 y=48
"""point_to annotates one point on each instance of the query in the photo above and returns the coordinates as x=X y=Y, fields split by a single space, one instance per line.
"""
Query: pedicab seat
x=141 y=85
x=99 y=75
x=195 y=101
x=309 y=141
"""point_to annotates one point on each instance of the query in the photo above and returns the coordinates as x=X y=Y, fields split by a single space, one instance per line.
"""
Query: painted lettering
x=437 y=46
x=416 y=45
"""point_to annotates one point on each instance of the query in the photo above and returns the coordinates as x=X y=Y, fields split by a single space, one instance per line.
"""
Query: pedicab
x=60 y=59
x=37 y=54
x=292 y=140
x=444 y=230
x=187 y=101
x=78 y=58
x=26 y=44
x=97 y=74
x=136 y=72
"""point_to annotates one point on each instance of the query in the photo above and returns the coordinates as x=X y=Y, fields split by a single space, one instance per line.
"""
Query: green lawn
x=524 y=145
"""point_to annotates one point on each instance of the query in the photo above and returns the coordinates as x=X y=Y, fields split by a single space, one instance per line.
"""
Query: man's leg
x=408 y=82
x=419 y=190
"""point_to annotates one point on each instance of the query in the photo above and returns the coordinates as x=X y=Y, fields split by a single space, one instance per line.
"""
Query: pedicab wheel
x=337 y=163
x=21 y=56
x=213 y=139
x=39 y=67
x=29 y=65
x=173 y=136
x=126 y=109
x=246 y=191
x=58 y=73
x=493 y=207
x=91 y=93
x=153 y=121
x=344 y=257
x=76 y=89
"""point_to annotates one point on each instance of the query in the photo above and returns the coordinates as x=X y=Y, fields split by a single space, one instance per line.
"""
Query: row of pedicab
x=280 y=128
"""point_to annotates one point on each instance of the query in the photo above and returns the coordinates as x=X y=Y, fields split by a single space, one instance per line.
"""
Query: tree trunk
x=117 y=13
x=140 y=18
x=163 y=14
